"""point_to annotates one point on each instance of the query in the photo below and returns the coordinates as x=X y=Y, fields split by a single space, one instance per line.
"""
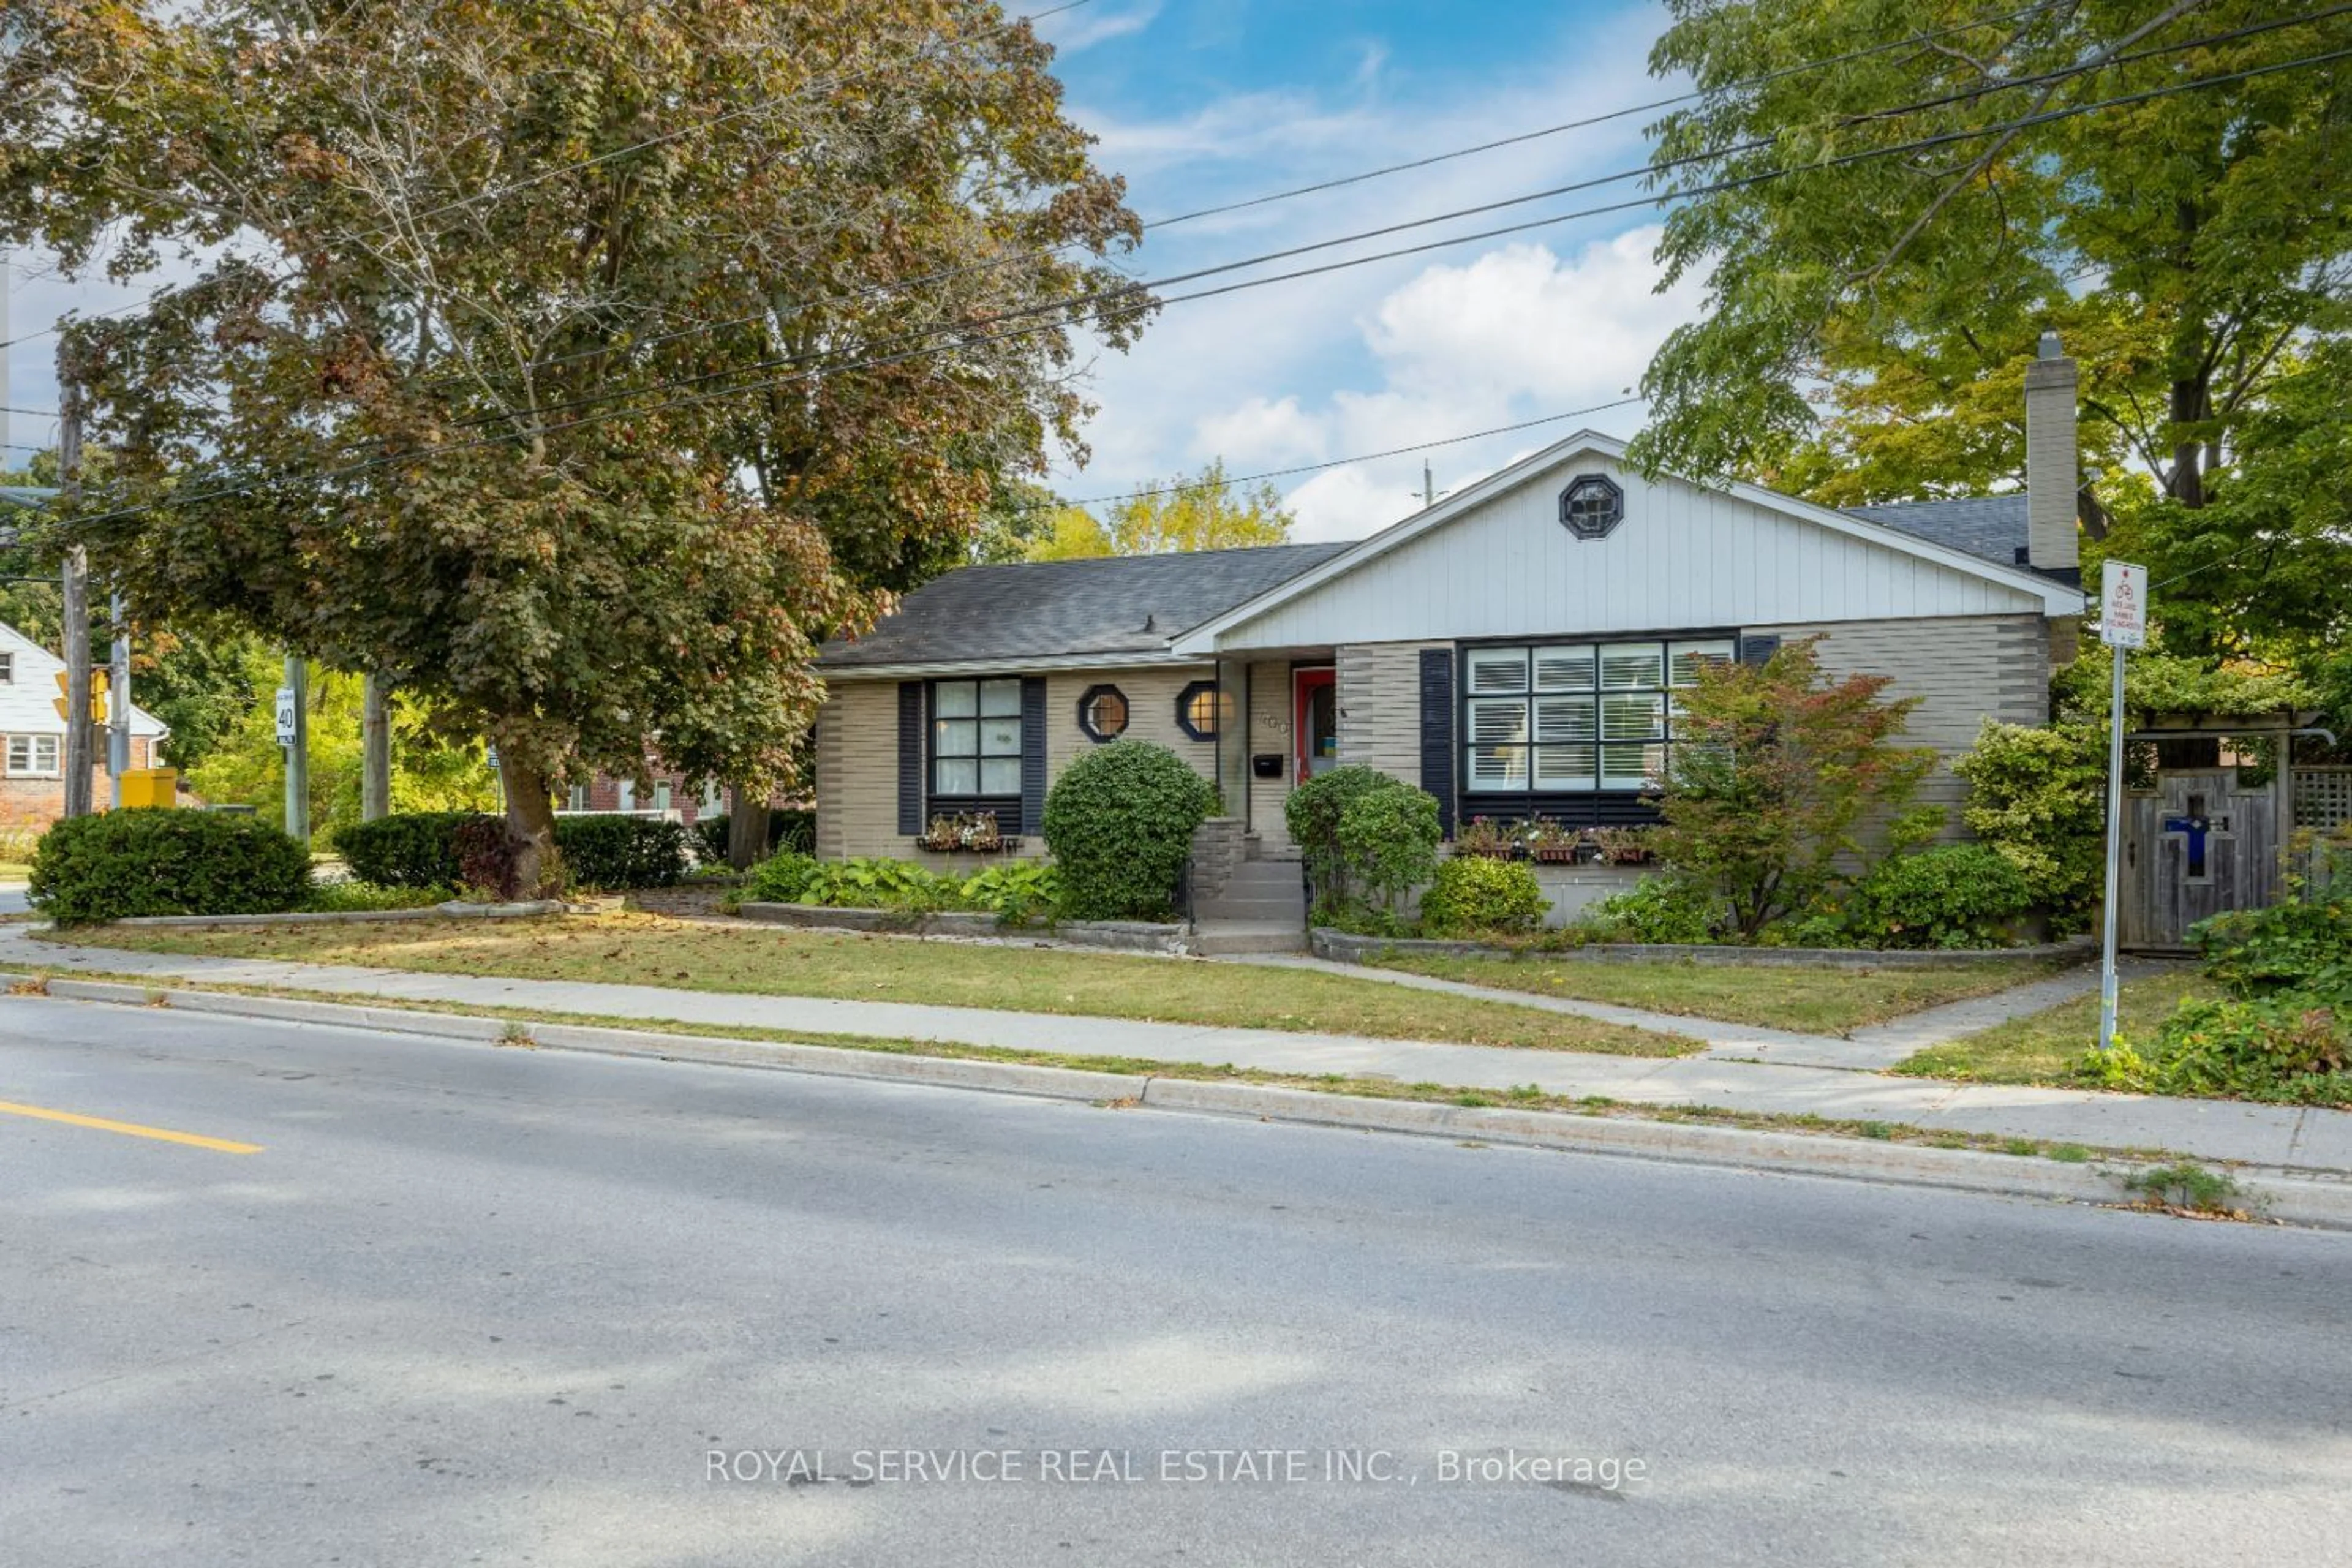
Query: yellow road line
x=132 y=1128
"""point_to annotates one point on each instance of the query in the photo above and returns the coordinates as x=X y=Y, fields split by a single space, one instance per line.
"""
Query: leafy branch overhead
x=552 y=357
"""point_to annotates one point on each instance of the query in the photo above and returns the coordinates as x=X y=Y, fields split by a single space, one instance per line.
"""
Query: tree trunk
x=531 y=830
x=2188 y=485
x=375 y=748
x=747 y=827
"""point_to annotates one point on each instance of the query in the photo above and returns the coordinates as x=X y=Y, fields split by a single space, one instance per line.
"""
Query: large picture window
x=976 y=739
x=1559 y=718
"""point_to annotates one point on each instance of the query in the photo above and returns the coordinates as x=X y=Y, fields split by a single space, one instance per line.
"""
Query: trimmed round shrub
x=406 y=849
x=1474 y=894
x=1312 y=813
x=1955 y=895
x=1388 y=840
x=1119 y=822
x=166 y=862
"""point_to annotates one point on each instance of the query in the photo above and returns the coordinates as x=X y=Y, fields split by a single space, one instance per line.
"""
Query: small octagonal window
x=1592 y=506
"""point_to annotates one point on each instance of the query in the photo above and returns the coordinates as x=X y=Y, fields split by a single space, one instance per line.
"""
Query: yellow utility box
x=151 y=786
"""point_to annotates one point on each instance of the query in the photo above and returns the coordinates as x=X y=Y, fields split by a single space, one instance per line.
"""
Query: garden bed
x=1127 y=936
x=1343 y=947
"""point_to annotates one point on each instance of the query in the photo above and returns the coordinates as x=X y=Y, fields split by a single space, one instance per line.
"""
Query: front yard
x=648 y=950
x=2043 y=1047
x=1812 y=999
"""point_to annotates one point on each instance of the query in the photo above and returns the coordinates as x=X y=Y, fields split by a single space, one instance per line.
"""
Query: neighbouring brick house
x=32 y=738
x=1514 y=649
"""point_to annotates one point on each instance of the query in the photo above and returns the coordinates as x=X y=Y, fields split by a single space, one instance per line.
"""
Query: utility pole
x=375 y=747
x=295 y=736
x=118 y=691
x=77 y=759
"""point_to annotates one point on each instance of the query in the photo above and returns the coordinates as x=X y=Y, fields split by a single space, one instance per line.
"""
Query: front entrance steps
x=1260 y=908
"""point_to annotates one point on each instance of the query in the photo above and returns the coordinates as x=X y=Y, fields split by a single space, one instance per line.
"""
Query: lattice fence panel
x=2323 y=797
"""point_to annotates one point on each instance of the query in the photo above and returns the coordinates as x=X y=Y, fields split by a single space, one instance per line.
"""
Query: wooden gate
x=2197 y=844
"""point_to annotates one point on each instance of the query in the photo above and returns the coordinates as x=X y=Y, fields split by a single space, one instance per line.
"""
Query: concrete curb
x=2296 y=1199
x=1345 y=947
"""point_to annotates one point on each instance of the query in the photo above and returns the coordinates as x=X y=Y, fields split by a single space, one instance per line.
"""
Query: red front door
x=1315 y=721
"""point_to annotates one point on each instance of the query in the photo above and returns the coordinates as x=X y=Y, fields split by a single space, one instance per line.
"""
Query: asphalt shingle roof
x=1055 y=609
x=1991 y=528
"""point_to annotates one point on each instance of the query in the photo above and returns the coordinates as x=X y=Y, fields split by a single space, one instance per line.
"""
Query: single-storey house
x=1514 y=649
x=32 y=738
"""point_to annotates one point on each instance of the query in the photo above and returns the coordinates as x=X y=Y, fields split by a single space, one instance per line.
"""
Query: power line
x=1334 y=462
x=883 y=361
x=947 y=274
x=1133 y=291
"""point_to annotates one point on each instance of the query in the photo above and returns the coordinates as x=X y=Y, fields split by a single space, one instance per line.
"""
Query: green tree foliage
x=2185 y=247
x=1199 y=511
x=1119 y=822
x=246 y=765
x=1782 y=770
x=1476 y=894
x=588 y=291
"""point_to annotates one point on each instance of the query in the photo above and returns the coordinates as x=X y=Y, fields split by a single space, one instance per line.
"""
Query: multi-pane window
x=32 y=754
x=7 y=668
x=1565 y=717
x=976 y=738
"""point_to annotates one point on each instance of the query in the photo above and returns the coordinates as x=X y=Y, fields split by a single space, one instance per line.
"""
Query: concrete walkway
x=2277 y=1136
x=1869 y=1049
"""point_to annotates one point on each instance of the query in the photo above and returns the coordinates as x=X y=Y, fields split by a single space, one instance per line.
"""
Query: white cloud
x=1514 y=334
x=1071 y=34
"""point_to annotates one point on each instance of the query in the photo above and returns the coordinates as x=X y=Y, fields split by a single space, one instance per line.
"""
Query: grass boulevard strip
x=695 y=955
x=1526 y=1097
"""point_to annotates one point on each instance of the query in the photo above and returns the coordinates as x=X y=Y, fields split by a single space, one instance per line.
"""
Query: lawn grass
x=2043 y=1047
x=649 y=950
x=1525 y=1097
x=1818 y=999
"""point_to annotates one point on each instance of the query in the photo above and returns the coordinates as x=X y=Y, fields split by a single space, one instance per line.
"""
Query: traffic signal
x=97 y=696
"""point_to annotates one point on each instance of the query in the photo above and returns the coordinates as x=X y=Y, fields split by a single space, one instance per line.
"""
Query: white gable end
x=1502 y=565
x=27 y=698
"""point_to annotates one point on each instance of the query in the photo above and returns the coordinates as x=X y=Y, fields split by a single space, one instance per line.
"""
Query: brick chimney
x=2051 y=479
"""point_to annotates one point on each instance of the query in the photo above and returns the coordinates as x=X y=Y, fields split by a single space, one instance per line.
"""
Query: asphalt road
x=481 y=1304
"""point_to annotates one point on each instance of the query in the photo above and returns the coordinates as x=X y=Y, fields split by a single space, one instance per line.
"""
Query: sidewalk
x=2279 y=1136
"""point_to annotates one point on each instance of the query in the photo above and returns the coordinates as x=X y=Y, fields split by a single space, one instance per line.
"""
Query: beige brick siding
x=1962 y=669
x=1379 y=706
x=857 y=753
x=1270 y=718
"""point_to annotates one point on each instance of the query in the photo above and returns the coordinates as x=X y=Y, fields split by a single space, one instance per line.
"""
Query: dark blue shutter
x=1437 y=731
x=1033 y=752
x=1758 y=650
x=910 y=756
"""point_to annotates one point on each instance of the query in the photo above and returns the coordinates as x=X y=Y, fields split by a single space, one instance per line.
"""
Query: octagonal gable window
x=1102 y=713
x=1592 y=506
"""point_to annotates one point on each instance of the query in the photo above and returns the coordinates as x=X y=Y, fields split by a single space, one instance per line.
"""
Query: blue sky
x=1200 y=102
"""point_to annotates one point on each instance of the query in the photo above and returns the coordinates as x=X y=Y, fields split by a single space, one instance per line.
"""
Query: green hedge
x=420 y=849
x=792 y=830
x=166 y=862
x=615 y=852
x=1119 y=822
x=408 y=849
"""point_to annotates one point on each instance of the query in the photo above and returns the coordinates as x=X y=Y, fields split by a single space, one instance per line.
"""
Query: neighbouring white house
x=32 y=738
